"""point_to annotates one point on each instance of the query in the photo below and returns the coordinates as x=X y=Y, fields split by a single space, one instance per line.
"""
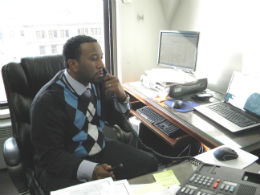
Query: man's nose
x=101 y=64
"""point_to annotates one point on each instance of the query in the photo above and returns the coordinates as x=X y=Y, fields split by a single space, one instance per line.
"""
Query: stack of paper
x=98 y=187
x=166 y=184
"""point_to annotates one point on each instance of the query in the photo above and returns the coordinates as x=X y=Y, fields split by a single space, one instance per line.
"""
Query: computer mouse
x=177 y=104
x=225 y=153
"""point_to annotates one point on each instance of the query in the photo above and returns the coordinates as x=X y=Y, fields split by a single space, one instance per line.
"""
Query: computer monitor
x=178 y=49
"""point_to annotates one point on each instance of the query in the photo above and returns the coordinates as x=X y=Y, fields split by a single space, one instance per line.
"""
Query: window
x=54 y=49
x=40 y=34
x=83 y=31
x=22 y=33
x=95 y=31
x=53 y=34
x=42 y=50
x=67 y=33
x=43 y=27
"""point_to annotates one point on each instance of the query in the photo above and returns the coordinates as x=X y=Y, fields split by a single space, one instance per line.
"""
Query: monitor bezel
x=185 y=69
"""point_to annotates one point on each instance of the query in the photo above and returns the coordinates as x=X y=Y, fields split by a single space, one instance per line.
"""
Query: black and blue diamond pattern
x=90 y=138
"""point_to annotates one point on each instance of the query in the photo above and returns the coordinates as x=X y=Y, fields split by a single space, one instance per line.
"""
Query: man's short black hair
x=71 y=49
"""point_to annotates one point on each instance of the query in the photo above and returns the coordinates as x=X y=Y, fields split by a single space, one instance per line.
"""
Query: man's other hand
x=102 y=171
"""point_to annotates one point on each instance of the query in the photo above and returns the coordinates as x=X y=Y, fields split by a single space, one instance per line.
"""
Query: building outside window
x=42 y=50
x=44 y=26
x=81 y=31
x=38 y=34
x=67 y=33
x=53 y=34
x=54 y=49
x=86 y=31
x=22 y=33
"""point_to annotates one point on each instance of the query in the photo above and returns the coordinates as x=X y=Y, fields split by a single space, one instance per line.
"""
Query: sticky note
x=166 y=178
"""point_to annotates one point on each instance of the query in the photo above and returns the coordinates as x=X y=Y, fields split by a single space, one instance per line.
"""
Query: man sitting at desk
x=68 y=116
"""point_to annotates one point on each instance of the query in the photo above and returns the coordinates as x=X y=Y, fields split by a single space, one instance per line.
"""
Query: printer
x=173 y=82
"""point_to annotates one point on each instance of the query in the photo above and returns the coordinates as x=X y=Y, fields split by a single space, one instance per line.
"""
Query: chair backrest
x=22 y=81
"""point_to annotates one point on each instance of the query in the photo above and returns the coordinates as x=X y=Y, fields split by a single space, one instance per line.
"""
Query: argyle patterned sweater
x=66 y=127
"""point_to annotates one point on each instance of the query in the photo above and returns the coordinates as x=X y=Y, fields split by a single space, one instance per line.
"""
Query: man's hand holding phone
x=113 y=85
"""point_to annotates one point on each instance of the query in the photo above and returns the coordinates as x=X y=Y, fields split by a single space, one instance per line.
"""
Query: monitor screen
x=178 y=49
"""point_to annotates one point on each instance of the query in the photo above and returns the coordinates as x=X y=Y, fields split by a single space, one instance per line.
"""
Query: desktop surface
x=195 y=124
x=183 y=171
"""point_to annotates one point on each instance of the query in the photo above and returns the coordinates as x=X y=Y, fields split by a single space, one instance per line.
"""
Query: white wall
x=229 y=35
x=138 y=26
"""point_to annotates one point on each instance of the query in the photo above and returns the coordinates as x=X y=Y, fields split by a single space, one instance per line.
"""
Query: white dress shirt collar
x=77 y=86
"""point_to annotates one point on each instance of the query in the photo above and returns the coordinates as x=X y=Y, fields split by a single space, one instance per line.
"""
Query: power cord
x=177 y=158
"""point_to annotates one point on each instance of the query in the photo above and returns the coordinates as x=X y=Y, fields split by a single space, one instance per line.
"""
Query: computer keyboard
x=150 y=115
x=159 y=122
x=234 y=116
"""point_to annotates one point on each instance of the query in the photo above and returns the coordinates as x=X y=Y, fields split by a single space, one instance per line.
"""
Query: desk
x=194 y=124
x=182 y=171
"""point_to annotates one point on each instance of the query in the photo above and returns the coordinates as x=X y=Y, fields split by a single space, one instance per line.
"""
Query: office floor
x=6 y=185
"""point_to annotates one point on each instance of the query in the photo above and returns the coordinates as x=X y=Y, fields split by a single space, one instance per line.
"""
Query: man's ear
x=73 y=65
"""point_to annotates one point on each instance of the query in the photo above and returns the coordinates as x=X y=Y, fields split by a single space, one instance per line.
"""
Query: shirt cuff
x=85 y=170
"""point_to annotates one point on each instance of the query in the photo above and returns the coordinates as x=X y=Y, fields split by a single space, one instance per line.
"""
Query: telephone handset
x=102 y=83
x=101 y=80
x=104 y=72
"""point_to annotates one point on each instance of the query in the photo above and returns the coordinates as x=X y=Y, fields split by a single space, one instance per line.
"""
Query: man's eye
x=94 y=58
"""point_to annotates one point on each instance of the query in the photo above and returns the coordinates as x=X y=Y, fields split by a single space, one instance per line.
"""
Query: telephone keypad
x=208 y=185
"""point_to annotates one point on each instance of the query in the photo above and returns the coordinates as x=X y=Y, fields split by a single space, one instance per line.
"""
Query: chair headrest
x=39 y=70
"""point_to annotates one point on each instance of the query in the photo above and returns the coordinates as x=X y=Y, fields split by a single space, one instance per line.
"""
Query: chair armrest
x=11 y=152
x=15 y=169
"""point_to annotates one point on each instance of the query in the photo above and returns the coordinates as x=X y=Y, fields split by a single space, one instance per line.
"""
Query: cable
x=126 y=126
x=176 y=158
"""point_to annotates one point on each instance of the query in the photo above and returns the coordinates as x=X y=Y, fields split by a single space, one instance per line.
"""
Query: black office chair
x=22 y=81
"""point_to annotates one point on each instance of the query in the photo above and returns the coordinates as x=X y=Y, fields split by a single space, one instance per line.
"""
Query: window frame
x=109 y=33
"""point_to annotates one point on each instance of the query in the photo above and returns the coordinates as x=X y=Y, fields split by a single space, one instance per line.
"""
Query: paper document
x=141 y=189
x=244 y=158
x=154 y=189
x=166 y=75
x=98 y=187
